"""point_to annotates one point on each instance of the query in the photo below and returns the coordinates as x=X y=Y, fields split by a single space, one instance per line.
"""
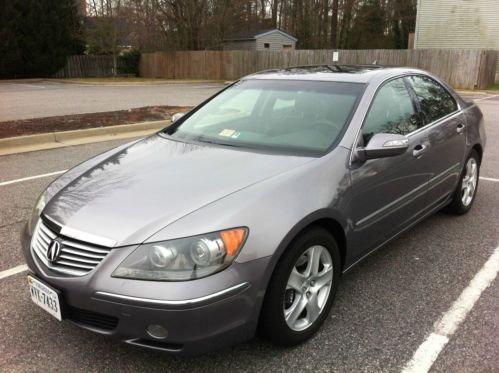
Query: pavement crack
x=11 y=223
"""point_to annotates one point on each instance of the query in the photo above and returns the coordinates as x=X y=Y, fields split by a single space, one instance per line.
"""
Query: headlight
x=183 y=259
x=37 y=210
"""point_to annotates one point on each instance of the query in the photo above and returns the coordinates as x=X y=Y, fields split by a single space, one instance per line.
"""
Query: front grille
x=91 y=319
x=75 y=258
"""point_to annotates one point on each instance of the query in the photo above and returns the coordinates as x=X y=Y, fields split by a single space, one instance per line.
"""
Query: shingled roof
x=253 y=34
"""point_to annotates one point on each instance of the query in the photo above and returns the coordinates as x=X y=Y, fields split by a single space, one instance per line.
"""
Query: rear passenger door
x=445 y=125
x=388 y=194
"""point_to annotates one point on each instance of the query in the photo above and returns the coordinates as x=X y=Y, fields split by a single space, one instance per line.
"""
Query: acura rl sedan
x=243 y=214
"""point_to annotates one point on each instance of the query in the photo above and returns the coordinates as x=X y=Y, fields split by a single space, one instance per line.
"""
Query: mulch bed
x=82 y=121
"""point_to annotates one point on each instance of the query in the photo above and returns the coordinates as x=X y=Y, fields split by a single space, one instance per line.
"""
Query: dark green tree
x=37 y=36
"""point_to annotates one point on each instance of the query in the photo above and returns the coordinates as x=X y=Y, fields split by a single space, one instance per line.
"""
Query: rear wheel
x=302 y=288
x=465 y=193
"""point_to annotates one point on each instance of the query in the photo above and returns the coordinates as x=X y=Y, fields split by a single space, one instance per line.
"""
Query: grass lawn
x=494 y=87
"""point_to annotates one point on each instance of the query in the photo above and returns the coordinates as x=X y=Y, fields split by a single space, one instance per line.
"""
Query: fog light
x=157 y=331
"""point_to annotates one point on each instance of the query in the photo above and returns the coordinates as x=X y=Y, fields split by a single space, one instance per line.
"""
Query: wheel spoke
x=464 y=184
x=315 y=259
x=473 y=171
x=465 y=195
x=313 y=309
x=296 y=309
x=295 y=280
x=313 y=255
x=324 y=278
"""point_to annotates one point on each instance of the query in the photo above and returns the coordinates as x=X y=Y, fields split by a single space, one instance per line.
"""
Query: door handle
x=460 y=128
x=419 y=150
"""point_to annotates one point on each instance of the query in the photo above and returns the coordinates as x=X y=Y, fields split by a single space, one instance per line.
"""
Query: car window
x=434 y=99
x=238 y=106
x=392 y=111
x=288 y=115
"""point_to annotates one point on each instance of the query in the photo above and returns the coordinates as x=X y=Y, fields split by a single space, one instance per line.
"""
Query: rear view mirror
x=384 y=145
x=177 y=116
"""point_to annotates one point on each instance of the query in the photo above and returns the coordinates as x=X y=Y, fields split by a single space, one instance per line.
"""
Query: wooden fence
x=462 y=68
x=86 y=67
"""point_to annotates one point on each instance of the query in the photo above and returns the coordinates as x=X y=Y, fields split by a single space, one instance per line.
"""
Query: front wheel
x=302 y=288
x=465 y=193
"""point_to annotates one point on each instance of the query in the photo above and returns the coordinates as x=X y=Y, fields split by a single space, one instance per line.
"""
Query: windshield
x=273 y=114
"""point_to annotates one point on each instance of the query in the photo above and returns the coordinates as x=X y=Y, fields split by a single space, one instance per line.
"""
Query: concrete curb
x=22 y=144
x=476 y=92
x=134 y=83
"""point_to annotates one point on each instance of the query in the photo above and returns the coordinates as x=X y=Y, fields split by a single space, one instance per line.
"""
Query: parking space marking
x=31 y=178
x=489 y=179
x=13 y=271
x=428 y=351
x=485 y=98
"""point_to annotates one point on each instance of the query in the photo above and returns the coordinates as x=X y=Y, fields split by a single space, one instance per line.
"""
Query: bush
x=128 y=62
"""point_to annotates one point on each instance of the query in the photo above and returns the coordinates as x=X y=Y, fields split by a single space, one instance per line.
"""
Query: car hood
x=130 y=195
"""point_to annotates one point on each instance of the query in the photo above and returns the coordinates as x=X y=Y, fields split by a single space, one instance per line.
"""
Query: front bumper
x=199 y=315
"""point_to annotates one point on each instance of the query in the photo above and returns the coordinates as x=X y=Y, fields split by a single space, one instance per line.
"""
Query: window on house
x=266 y=45
x=287 y=47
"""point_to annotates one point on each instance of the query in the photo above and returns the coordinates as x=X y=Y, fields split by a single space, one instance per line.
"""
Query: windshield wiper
x=205 y=140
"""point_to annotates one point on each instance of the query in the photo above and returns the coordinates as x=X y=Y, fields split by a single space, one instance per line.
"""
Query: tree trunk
x=334 y=26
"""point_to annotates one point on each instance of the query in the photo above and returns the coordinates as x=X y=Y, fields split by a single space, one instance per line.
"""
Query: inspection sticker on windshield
x=227 y=133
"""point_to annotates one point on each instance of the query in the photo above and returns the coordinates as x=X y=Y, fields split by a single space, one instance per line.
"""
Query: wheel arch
x=325 y=218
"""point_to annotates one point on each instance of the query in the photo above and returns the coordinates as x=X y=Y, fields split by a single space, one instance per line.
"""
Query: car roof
x=336 y=73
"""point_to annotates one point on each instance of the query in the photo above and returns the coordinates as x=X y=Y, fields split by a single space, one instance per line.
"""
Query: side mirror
x=383 y=145
x=177 y=116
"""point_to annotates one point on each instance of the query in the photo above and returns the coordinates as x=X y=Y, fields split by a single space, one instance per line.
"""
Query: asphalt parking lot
x=386 y=308
x=27 y=99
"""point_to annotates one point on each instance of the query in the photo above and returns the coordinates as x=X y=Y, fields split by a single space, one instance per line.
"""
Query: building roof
x=254 y=34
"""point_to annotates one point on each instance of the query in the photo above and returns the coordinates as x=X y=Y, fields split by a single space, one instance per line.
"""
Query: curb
x=134 y=83
x=476 y=92
x=22 y=144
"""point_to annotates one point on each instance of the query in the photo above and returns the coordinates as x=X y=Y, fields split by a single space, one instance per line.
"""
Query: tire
x=459 y=204
x=281 y=297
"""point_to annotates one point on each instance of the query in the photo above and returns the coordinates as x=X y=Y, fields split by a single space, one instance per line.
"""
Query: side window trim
x=415 y=101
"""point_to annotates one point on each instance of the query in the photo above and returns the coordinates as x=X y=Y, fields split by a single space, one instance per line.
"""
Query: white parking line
x=31 y=178
x=13 y=271
x=429 y=350
x=486 y=98
x=489 y=179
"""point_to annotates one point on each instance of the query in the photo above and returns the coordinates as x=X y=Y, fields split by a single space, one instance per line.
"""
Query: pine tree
x=37 y=36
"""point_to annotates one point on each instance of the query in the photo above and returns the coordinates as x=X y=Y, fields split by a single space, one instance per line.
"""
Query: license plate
x=45 y=297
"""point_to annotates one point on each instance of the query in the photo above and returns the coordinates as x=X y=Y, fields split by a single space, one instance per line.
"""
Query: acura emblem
x=53 y=251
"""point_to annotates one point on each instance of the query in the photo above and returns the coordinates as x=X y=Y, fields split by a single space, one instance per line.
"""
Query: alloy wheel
x=308 y=288
x=469 y=182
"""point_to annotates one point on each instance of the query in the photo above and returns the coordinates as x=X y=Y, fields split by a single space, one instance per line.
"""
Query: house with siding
x=273 y=39
x=458 y=24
